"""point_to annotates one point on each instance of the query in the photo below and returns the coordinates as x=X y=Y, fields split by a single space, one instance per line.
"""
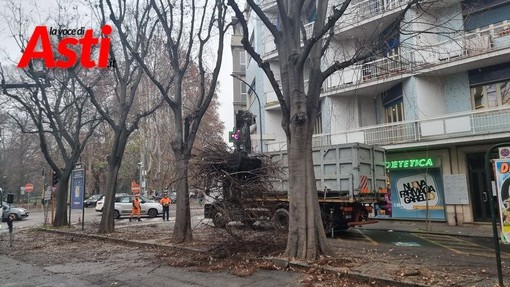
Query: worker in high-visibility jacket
x=136 y=209
x=165 y=201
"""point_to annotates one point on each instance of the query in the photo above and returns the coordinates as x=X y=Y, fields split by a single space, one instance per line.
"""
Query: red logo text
x=69 y=55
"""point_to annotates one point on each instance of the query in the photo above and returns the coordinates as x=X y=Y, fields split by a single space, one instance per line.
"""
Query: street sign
x=504 y=152
x=77 y=188
x=47 y=193
x=29 y=187
x=135 y=187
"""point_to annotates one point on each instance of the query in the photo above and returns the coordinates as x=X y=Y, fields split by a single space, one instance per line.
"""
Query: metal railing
x=483 y=122
x=469 y=44
x=367 y=9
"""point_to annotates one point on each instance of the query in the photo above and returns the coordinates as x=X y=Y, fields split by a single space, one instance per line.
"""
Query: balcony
x=270 y=47
x=449 y=127
x=481 y=41
x=367 y=11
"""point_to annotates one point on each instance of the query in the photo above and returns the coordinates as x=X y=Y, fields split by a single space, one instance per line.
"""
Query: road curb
x=339 y=272
x=123 y=241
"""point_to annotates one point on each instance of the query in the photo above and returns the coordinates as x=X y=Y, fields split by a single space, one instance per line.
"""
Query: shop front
x=416 y=188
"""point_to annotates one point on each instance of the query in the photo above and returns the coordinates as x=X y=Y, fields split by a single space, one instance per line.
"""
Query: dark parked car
x=173 y=196
x=91 y=201
x=18 y=213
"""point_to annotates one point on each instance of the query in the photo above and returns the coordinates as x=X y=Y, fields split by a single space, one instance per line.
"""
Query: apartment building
x=240 y=89
x=435 y=101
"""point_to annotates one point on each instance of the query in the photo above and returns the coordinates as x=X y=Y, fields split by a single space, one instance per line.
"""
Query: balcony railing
x=367 y=9
x=457 y=125
x=270 y=46
x=480 y=41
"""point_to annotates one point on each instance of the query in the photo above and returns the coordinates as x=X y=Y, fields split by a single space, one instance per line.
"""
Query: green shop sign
x=410 y=163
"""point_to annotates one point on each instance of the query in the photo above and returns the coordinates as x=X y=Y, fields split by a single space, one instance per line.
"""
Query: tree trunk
x=107 y=224
x=182 y=228
x=306 y=239
x=61 y=202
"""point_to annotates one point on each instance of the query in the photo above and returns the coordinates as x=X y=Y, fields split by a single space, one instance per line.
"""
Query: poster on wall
x=502 y=173
x=415 y=192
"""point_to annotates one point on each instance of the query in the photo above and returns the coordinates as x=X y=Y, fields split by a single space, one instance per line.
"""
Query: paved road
x=37 y=217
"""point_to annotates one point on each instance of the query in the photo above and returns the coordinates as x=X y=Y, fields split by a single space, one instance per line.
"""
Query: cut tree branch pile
x=241 y=184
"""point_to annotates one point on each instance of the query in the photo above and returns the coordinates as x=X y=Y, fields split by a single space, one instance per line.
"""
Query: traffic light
x=54 y=179
x=10 y=198
x=234 y=136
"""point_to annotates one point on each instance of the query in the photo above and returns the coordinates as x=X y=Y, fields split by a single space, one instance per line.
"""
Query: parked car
x=100 y=202
x=18 y=212
x=124 y=204
x=173 y=196
x=91 y=201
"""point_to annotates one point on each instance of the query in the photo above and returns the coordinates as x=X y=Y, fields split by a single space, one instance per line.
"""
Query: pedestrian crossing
x=459 y=245
x=355 y=234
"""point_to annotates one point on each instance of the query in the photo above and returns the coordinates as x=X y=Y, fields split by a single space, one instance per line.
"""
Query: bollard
x=10 y=220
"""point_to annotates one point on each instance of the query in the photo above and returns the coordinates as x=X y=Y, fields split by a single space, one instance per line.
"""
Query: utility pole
x=143 y=172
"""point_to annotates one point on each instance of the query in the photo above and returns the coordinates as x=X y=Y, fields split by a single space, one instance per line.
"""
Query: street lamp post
x=260 y=109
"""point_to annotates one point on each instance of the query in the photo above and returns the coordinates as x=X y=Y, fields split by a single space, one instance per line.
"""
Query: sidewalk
x=467 y=229
x=394 y=267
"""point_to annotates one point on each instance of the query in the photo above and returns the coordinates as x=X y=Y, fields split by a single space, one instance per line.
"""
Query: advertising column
x=502 y=173
x=416 y=189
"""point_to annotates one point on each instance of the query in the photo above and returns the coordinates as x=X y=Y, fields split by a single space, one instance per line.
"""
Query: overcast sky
x=9 y=49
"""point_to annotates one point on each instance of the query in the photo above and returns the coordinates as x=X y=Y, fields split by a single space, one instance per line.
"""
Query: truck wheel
x=281 y=218
x=116 y=214
x=219 y=220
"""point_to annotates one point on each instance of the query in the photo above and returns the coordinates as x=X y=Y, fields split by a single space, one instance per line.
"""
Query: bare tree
x=59 y=112
x=63 y=120
x=21 y=160
x=114 y=99
x=300 y=54
x=187 y=29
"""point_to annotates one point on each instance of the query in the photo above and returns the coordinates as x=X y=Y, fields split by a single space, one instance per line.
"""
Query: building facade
x=435 y=101
x=238 y=67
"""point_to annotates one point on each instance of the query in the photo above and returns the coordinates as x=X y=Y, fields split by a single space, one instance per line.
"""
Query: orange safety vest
x=165 y=201
x=136 y=203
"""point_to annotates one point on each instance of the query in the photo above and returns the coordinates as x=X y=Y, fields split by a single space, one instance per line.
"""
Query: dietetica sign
x=410 y=163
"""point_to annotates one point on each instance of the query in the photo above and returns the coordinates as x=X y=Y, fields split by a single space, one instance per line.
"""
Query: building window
x=491 y=95
x=252 y=40
x=251 y=93
x=243 y=92
x=393 y=104
x=394 y=113
x=242 y=61
x=317 y=127
x=311 y=11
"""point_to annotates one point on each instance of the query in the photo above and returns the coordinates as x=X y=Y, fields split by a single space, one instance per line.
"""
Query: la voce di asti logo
x=69 y=56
